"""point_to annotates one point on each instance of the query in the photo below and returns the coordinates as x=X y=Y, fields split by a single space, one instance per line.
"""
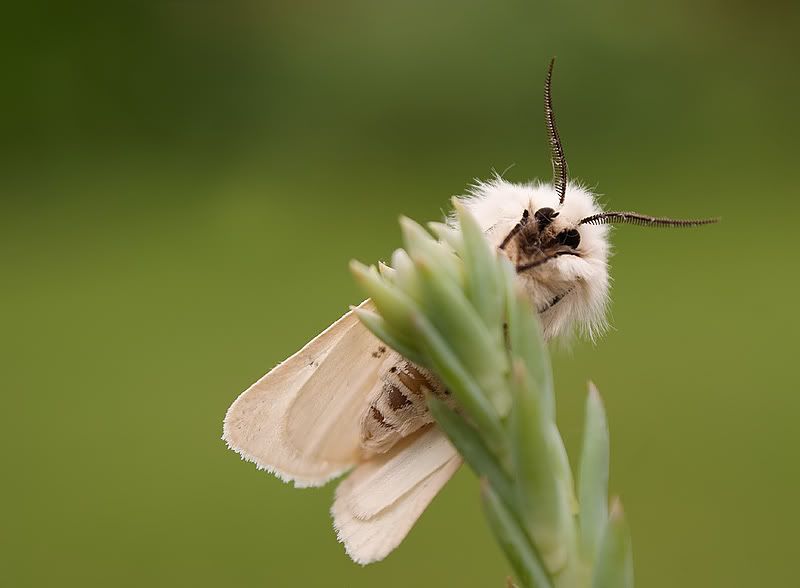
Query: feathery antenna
x=634 y=218
x=557 y=158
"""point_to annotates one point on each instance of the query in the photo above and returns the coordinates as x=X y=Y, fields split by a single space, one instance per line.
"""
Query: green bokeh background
x=183 y=184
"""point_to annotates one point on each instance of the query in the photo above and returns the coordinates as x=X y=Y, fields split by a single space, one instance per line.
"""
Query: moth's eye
x=570 y=238
x=544 y=216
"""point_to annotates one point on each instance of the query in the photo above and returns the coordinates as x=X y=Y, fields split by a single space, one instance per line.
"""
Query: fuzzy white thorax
x=581 y=280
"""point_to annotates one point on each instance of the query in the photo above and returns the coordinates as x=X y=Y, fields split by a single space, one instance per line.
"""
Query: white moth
x=346 y=402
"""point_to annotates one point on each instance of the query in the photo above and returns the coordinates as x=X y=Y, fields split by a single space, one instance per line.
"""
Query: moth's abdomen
x=398 y=407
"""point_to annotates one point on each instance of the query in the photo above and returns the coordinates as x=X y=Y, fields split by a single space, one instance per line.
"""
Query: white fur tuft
x=498 y=206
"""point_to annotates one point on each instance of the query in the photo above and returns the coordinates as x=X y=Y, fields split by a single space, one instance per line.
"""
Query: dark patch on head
x=544 y=216
x=570 y=238
x=393 y=369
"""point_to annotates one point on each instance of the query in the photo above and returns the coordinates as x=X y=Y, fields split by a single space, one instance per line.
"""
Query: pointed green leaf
x=405 y=276
x=449 y=235
x=458 y=380
x=544 y=511
x=466 y=334
x=483 y=286
x=593 y=475
x=526 y=342
x=393 y=305
x=614 y=564
x=563 y=473
x=387 y=272
x=383 y=331
x=467 y=440
x=520 y=552
x=421 y=245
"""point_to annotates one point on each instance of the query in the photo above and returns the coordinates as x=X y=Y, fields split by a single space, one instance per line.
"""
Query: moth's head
x=562 y=264
x=556 y=235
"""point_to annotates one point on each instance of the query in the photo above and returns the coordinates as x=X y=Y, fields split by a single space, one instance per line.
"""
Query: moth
x=346 y=402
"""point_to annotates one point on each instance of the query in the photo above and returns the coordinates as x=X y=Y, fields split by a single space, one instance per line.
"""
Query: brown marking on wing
x=397 y=399
x=414 y=380
x=378 y=416
x=379 y=353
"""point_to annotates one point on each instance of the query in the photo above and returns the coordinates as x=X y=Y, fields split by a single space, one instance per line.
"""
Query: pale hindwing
x=301 y=420
x=324 y=419
x=376 y=506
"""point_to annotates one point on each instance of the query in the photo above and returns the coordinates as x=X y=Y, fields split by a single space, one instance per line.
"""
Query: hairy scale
x=398 y=407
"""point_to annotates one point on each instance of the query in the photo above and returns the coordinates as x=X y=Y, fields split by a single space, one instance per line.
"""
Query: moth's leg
x=542 y=260
x=517 y=228
x=555 y=300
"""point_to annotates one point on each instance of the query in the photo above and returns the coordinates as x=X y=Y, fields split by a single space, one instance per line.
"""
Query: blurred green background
x=183 y=184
